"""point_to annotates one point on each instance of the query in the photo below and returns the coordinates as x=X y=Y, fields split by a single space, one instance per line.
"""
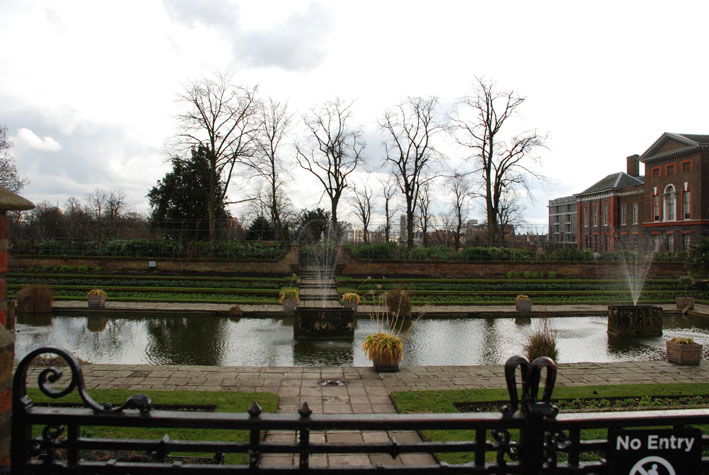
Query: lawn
x=220 y=401
x=413 y=402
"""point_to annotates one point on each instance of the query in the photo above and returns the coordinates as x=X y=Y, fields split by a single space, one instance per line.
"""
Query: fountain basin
x=634 y=320
x=323 y=323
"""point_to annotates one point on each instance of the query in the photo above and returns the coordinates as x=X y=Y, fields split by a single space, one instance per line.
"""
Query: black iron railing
x=528 y=436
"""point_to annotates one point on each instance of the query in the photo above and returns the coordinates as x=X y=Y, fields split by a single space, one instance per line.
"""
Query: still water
x=269 y=342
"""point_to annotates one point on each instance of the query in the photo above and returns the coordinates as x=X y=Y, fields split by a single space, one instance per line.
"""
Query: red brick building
x=677 y=190
x=669 y=205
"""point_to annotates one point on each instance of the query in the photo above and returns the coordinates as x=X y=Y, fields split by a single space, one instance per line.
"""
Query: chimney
x=633 y=165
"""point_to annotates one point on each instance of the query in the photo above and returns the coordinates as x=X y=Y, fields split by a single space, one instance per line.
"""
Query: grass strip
x=224 y=402
x=428 y=402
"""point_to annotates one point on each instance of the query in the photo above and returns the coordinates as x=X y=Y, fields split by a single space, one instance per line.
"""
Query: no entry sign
x=654 y=452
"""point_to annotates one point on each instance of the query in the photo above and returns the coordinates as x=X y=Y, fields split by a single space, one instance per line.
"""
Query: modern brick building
x=669 y=205
x=563 y=221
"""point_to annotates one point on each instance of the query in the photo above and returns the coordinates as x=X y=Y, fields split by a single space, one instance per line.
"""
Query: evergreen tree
x=179 y=201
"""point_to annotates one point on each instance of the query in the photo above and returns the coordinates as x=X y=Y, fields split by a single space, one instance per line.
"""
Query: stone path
x=364 y=391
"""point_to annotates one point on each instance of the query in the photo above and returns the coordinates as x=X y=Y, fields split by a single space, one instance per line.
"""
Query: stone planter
x=384 y=364
x=96 y=301
x=289 y=306
x=634 y=320
x=523 y=305
x=684 y=354
x=684 y=302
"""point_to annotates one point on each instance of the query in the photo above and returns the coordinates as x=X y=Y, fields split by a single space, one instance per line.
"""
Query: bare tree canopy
x=334 y=149
x=9 y=178
x=504 y=165
x=362 y=204
x=409 y=128
x=222 y=119
x=274 y=124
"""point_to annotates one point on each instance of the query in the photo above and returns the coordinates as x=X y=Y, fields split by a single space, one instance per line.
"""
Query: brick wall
x=7 y=351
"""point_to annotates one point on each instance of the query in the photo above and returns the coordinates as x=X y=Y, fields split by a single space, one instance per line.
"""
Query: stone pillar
x=9 y=201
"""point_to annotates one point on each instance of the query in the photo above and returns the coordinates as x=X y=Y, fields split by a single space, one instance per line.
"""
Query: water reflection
x=269 y=342
x=186 y=341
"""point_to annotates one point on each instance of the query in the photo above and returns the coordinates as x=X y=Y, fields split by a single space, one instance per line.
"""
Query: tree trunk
x=409 y=224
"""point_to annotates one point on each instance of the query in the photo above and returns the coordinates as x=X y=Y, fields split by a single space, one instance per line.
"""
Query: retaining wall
x=455 y=269
x=286 y=265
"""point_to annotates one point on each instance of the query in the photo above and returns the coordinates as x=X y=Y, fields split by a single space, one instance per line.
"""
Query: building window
x=670 y=203
x=656 y=243
x=686 y=167
x=670 y=170
x=594 y=212
x=686 y=241
x=605 y=215
x=584 y=212
x=656 y=207
x=687 y=206
x=656 y=172
x=636 y=208
x=556 y=219
x=671 y=242
x=623 y=215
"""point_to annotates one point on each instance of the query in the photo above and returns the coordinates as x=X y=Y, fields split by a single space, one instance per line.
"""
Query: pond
x=269 y=342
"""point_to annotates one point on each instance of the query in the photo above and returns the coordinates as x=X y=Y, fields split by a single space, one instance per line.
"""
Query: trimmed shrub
x=34 y=299
x=570 y=254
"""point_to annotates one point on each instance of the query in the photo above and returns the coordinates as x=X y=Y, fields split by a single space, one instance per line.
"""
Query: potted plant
x=385 y=350
x=289 y=297
x=684 y=351
x=351 y=300
x=523 y=303
x=685 y=301
x=96 y=298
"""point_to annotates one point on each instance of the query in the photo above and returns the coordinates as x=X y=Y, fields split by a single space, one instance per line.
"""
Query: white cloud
x=32 y=140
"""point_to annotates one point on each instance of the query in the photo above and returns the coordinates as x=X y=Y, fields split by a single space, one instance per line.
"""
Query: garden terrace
x=503 y=291
x=154 y=287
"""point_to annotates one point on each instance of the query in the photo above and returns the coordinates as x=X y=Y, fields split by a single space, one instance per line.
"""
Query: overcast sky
x=88 y=89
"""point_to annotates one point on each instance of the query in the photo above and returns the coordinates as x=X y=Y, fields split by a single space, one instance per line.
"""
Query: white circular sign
x=649 y=466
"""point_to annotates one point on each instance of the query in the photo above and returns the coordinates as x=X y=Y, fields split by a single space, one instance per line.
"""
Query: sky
x=88 y=90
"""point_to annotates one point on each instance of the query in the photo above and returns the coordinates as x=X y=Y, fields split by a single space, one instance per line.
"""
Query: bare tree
x=9 y=178
x=459 y=185
x=274 y=124
x=388 y=190
x=409 y=128
x=106 y=208
x=362 y=204
x=335 y=151
x=504 y=164
x=424 y=214
x=222 y=118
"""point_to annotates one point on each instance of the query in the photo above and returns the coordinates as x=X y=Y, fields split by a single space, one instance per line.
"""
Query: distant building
x=668 y=206
x=562 y=220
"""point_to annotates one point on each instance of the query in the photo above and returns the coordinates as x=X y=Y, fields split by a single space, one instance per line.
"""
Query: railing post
x=535 y=413
x=531 y=444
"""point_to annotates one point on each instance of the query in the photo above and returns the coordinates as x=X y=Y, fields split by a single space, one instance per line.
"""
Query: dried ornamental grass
x=542 y=343
x=383 y=345
x=34 y=299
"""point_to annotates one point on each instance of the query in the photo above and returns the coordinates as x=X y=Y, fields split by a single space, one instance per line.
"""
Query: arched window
x=670 y=203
